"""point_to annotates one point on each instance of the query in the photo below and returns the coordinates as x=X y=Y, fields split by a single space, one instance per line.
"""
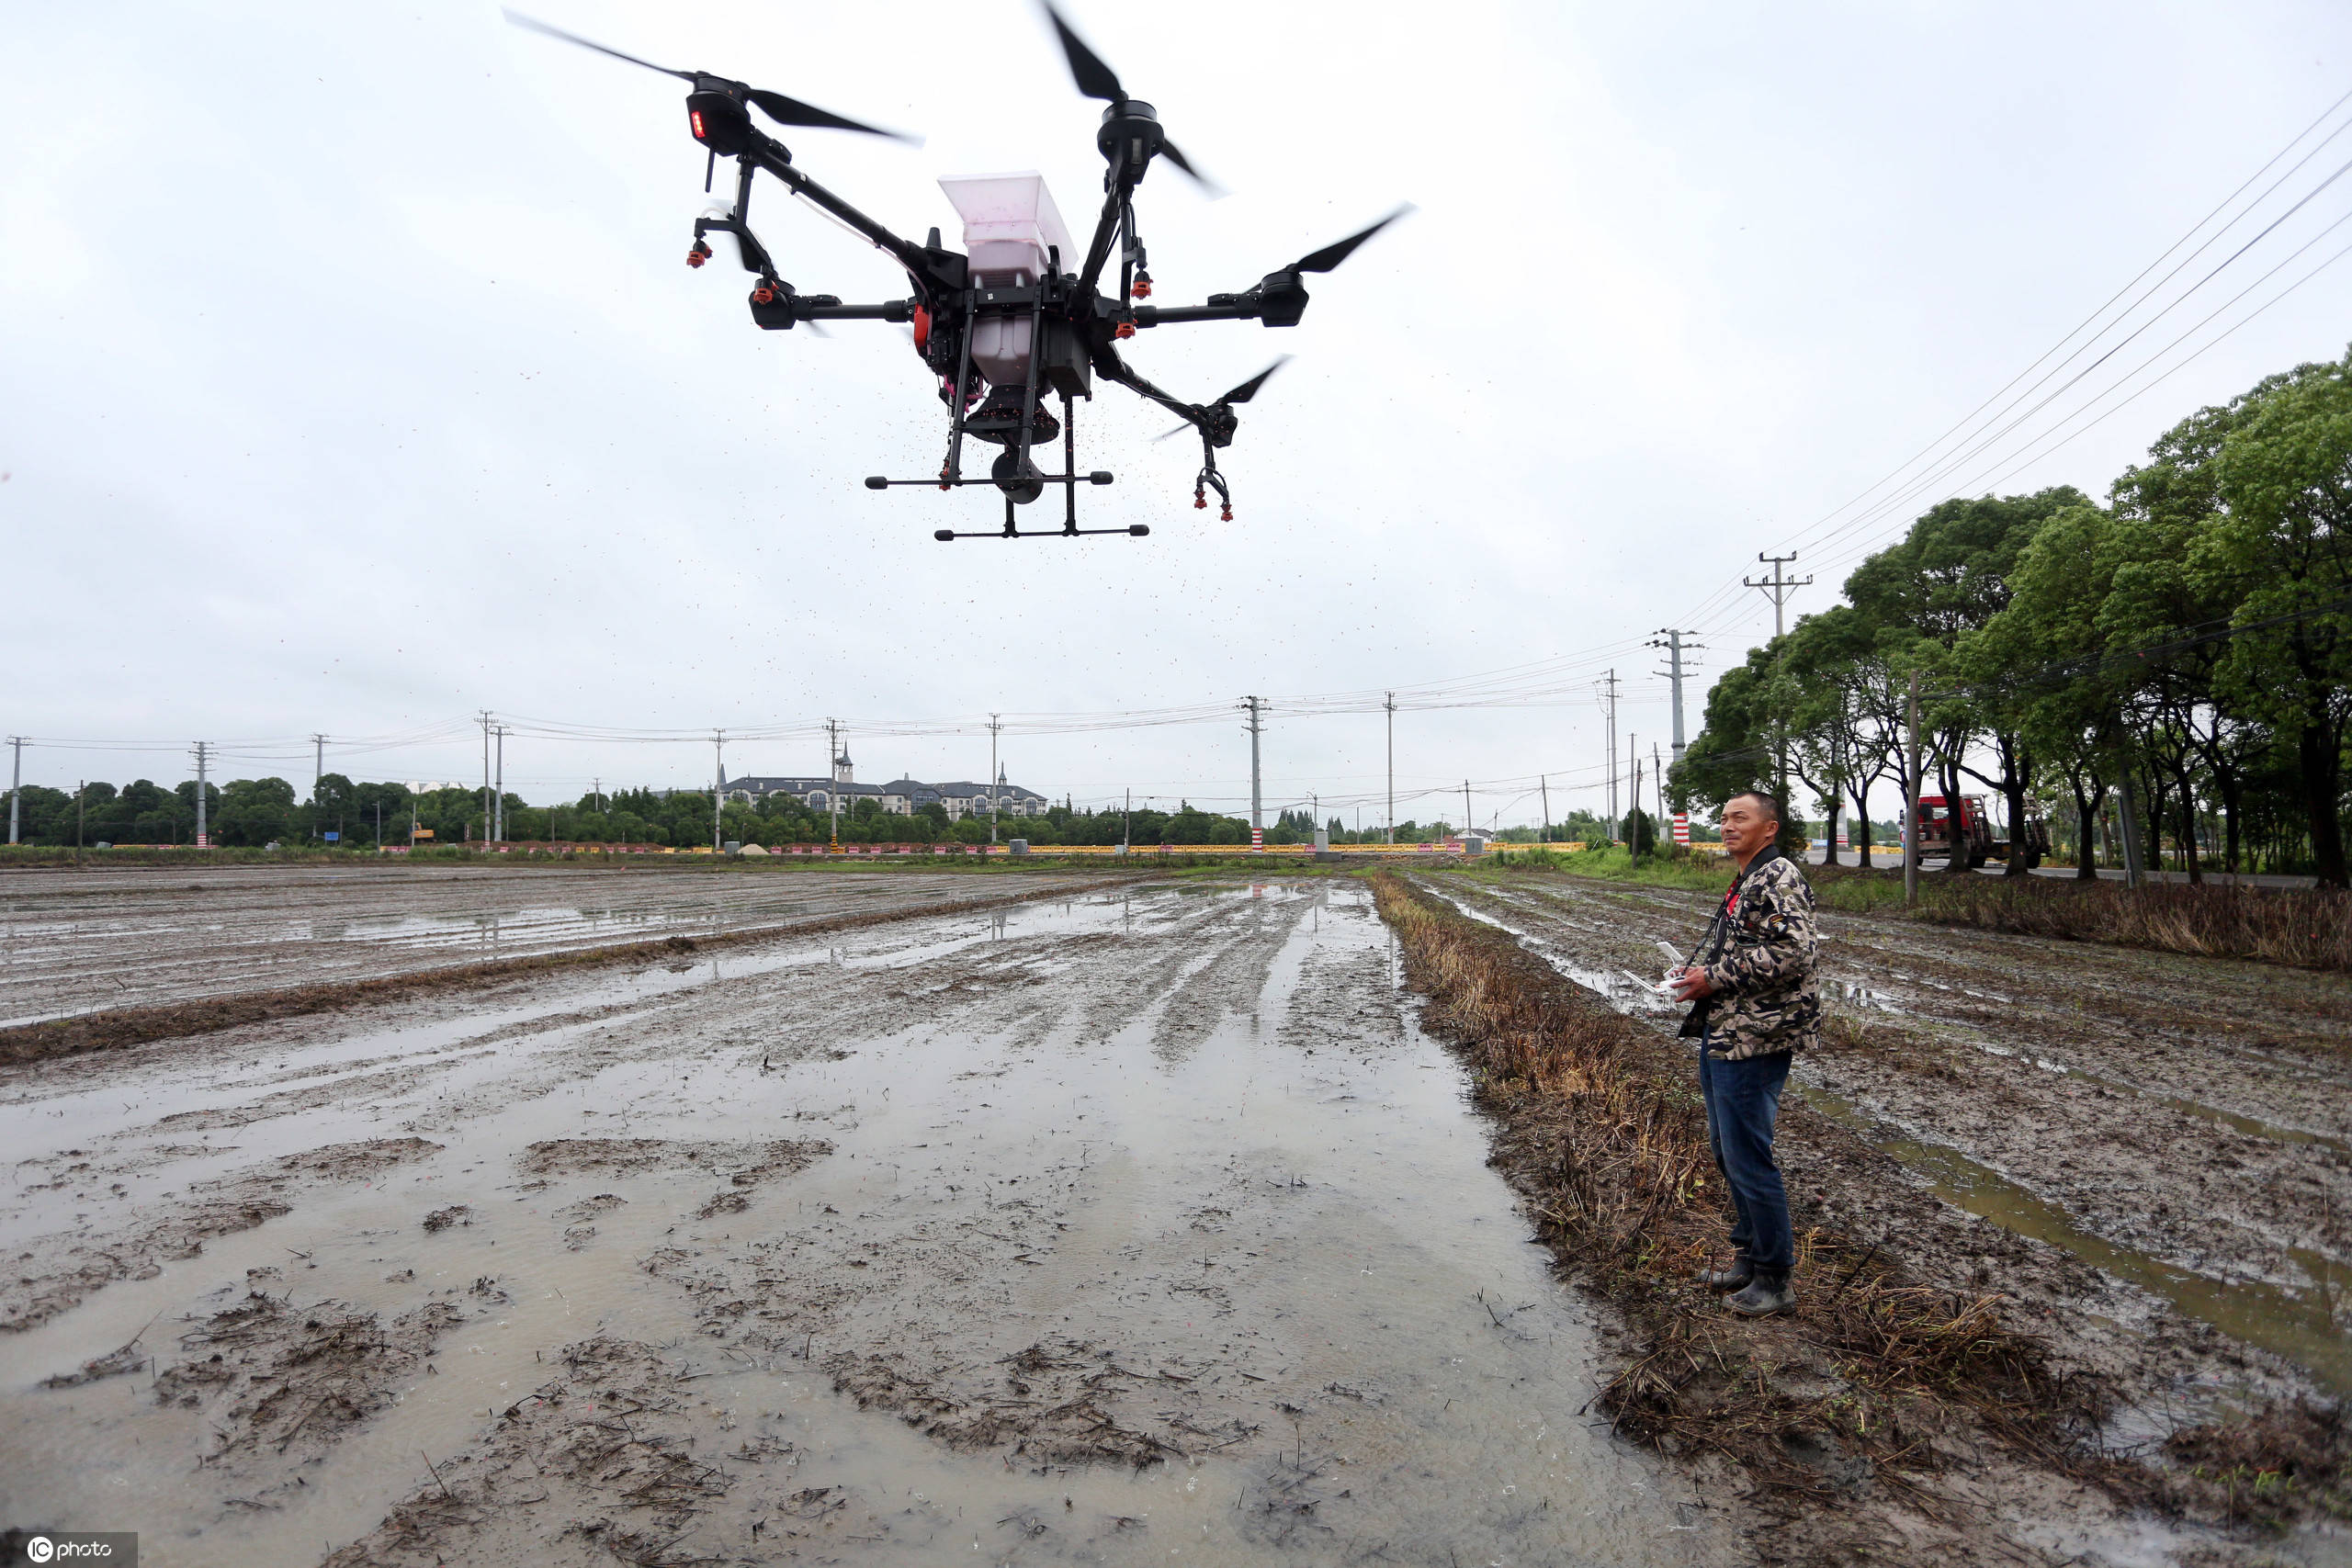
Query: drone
x=1009 y=323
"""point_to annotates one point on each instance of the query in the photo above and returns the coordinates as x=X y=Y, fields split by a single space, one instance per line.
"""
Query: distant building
x=965 y=798
x=900 y=797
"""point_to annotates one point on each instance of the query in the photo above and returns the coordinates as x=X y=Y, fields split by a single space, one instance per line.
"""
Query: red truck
x=1968 y=831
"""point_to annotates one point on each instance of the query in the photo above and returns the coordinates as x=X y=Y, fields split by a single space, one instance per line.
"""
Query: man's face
x=1746 y=827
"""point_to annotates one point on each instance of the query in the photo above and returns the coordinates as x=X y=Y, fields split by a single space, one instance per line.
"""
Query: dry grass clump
x=2308 y=929
x=1603 y=1130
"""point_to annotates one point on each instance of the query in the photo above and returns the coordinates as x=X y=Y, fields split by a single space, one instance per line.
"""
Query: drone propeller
x=1249 y=389
x=1339 y=251
x=1241 y=394
x=776 y=106
x=1095 y=79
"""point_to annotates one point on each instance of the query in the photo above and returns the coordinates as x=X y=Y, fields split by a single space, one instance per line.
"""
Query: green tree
x=1948 y=577
x=2277 y=465
x=255 y=812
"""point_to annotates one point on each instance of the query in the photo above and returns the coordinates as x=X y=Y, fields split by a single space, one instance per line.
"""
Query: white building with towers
x=900 y=797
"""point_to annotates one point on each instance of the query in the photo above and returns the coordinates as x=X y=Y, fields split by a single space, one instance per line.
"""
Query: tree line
x=2174 y=660
x=254 y=813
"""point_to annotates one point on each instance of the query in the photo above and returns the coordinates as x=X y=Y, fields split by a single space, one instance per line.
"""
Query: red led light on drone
x=694 y=117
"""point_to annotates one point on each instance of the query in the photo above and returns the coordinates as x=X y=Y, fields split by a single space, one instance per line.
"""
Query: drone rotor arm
x=776 y=161
x=1112 y=367
x=1106 y=231
x=1227 y=307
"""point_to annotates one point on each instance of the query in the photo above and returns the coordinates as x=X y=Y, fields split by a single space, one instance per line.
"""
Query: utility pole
x=318 y=770
x=1390 y=702
x=1128 y=822
x=1675 y=648
x=80 y=810
x=1257 y=706
x=1777 y=587
x=833 y=772
x=995 y=726
x=596 y=793
x=498 y=794
x=1609 y=697
x=16 y=782
x=1466 y=805
x=1634 y=780
x=718 y=782
x=485 y=775
x=379 y=824
x=203 y=839
x=1911 y=807
x=1658 y=776
x=1543 y=783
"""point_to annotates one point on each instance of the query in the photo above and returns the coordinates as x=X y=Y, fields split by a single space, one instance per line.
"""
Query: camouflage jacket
x=1760 y=951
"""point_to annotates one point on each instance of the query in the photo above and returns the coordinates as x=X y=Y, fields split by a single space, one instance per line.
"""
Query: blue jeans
x=1743 y=1101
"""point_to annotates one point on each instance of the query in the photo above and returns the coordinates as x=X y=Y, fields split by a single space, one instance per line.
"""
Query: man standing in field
x=1757 y=1005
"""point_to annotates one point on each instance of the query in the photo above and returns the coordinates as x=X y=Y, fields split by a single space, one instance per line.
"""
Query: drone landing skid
x=1135 y=530
x=1019 y=480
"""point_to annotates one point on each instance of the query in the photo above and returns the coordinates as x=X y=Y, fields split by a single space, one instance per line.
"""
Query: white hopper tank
x=1011 y=230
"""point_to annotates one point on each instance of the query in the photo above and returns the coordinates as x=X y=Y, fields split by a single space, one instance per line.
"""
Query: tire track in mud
x=2032 y=1094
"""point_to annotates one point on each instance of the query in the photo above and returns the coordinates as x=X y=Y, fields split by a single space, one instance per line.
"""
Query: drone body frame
x=1074 y=327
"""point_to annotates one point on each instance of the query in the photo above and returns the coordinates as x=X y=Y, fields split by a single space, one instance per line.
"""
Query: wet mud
x=1144 y=1225
x=2159 y=1143
x=80 y=939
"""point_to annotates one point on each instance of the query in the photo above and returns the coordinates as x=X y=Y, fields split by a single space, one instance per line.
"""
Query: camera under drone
x=1017 y=321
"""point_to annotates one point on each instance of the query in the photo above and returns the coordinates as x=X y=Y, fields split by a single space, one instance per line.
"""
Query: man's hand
x=1691 y=985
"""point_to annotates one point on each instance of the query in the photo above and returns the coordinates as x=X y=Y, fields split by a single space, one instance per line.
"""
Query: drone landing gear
x=1022 y=484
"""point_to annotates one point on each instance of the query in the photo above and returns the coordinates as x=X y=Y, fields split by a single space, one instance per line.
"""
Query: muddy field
x=74 y=940
x=1142 y=1225
x=1135 y=1223
x=2181 y=1125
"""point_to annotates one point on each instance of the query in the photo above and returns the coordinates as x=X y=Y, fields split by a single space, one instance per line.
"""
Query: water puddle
x=1627 y=993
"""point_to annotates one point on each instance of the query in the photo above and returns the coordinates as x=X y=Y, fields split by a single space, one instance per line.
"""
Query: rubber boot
x=1735 y=1278
x=1765 y=1295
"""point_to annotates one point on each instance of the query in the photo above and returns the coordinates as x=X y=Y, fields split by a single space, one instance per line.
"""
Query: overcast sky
x=352 y=381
